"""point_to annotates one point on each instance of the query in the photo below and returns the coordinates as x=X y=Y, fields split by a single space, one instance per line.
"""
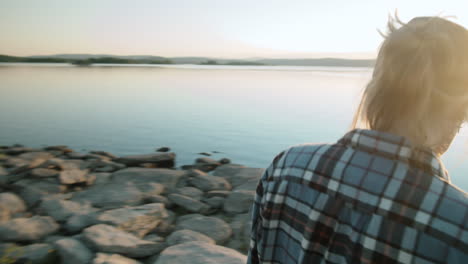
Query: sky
x=209 y=28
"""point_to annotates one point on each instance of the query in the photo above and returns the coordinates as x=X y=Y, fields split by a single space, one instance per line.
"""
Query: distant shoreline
x=87 y=60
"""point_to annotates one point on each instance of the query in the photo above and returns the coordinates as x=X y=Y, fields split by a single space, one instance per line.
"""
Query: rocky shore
x=62 y=206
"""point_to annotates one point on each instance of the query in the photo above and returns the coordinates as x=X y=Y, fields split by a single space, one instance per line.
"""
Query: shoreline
x=96 y=207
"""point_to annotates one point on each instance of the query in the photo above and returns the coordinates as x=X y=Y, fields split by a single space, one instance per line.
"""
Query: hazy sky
x=218 y=28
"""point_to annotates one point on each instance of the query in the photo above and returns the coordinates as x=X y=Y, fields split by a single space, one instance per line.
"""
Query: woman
x=380 y=194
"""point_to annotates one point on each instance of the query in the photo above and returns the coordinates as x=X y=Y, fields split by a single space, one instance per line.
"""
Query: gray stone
x=143 y=176
x=3 y=175
x=102 y=258
x=214 y=202
x=43 y=172
x=165 y=159
x=213 y=227
x=76 y=223
x=238 y=174
x=61 y=210
x=188 y=203
x=223 y=194
x=27 y=229
x=34 y=254
x=12 y=202
x=159 y=199
x=72 y=251
x=206 y=182
x=241 y=226
x=239 y=202
x=151 y=188
x=109 y=239
x=186 y=235
x=110 y=195
x=103 y=153
x=200 y=253
x=73 y=176
x=30 y=156
x=34 y=190
x=191 y=192
x=138 y=220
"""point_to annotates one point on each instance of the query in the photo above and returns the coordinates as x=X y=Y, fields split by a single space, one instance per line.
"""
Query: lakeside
x=60 y=204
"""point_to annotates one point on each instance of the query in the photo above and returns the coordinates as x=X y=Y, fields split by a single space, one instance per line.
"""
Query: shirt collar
x=395 y=147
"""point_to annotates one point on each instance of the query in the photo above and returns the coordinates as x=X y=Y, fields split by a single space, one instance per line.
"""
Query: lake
x=249 y=113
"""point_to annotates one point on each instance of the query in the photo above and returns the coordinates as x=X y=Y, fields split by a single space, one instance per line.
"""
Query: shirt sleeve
x=253 y=256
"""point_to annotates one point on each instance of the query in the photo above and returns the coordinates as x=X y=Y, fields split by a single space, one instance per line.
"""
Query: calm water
x=248 y=113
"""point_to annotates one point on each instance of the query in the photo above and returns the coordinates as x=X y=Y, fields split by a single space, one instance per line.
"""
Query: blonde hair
x=419 y=87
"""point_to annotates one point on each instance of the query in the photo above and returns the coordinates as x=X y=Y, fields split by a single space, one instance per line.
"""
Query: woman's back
x=372 y=197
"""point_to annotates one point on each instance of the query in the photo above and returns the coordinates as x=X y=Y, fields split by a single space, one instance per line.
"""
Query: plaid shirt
x=371 y=197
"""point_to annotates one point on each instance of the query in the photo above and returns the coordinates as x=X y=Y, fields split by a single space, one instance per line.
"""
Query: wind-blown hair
x=419 y=87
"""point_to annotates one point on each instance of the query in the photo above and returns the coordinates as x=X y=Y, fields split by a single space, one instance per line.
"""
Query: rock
x=5 y=214
x=16 y=150
x=54 y=163
x=163 y=149
x=12 y=202
x=28 y=229
x=138 y=220
x=186 y=235
x=154 y=238
x=100 y=177
x=73 y=176
x=154 y=198
x=239 y=202
x=191 y=192
x=152 y=188
x=188 y=203
x=249 y=185
x=103 y=153
x=110 y=195
x=31 y=156
x=212 y=227
x=61 y=148
x=241 y=226
x=61 y=210
x=204 y=153
x=76 y=155
x=206 y=164
x=102 y=258
x=109 y=239
x=76 y=223
x=162 y=160
x=238 y=174
x=224 y=161
x=206 y=182
x=105 y=166
x=214 y=202
x=34 y=190
x=43 y=172
x=200 y=253
x=217 y=193
x=72 y=251
x=15 y=163
x=3 y=175
x=143 y=176
x=32 y=254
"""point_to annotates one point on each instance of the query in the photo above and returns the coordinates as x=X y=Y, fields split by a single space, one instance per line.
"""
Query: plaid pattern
x=369 y=198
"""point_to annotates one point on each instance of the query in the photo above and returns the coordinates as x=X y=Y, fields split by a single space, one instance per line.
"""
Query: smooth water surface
x=249 y=113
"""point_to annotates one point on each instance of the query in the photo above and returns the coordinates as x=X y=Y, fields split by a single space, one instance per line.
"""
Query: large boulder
x=239 y=202
x=40 y=253
x=34 y=190
x=138 y=220
x=142 y=176
x=111 y=195
x=188 y=203
x=12 y=202
x=206 y=182
x=72 y=251
x=27 y=229
x=103 y=258
x=106 y=238
x=238 y=174
x=61 y=210
x=73 y=176
x=186 y=235
x=212 y=227
x=162 y=160
x=200 y=253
